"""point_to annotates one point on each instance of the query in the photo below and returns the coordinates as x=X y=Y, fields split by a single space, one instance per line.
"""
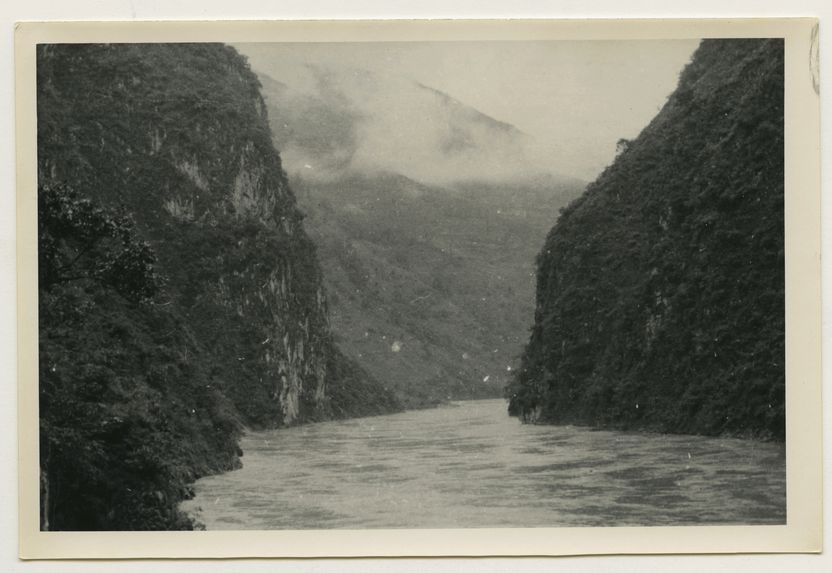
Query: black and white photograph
x=404 y=285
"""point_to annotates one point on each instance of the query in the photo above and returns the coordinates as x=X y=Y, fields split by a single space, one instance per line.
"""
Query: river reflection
x=470 y=465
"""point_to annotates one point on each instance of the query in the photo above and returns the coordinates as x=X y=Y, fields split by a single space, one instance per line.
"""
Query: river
x=470 y=465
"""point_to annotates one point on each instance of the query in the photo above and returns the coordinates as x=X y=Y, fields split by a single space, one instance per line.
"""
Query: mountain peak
x=327 y=121
x=473 y=113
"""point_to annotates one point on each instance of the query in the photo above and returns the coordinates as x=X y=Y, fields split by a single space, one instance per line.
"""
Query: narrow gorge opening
x=295 y=285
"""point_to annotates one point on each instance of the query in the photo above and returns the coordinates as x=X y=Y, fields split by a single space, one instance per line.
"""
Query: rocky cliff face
x=660 y=291
x=170 y=243
x=427 y=214
x=178 y=136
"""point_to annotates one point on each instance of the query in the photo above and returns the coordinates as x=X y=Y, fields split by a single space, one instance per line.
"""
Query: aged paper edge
x=803 y=530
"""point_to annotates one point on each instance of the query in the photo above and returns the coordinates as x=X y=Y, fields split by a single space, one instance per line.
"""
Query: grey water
x=470 y=465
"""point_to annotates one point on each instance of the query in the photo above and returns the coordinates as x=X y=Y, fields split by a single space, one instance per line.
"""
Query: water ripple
x=473 y=466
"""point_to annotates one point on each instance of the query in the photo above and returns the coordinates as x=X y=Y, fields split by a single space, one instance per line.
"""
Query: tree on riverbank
x=124 y=421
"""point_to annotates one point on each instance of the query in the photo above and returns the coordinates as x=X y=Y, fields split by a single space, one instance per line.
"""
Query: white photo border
x=802 y=533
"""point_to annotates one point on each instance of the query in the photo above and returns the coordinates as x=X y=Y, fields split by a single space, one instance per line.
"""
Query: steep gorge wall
x=660 y=291
x=159 y=156
x=178 y=135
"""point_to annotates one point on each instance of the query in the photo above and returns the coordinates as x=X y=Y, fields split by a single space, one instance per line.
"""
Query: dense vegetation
x=180 y=298
x=660 y=291
x=429 y=249
x=445 y=273
x=130 y=414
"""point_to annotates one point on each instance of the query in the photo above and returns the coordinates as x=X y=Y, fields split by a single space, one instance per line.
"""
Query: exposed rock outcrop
x=175 y=138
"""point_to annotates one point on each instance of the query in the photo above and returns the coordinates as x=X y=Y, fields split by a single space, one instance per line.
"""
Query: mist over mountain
x=573 y=99
x=329 y=122
x=427 y=214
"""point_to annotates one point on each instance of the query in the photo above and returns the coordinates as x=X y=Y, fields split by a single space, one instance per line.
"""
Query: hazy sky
x=576 y=99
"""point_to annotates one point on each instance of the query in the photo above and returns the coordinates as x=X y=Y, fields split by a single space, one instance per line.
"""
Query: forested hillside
x=180 y=298
x=432 y=286
x=427 y=214
x=660 y=291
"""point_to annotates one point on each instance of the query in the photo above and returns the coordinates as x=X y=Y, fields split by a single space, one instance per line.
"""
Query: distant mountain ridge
x=444 y=275
x=472 y=113
x=330 y=121
x=426 y=214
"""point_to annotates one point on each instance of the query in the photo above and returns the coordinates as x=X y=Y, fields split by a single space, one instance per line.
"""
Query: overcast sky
x=576 y=99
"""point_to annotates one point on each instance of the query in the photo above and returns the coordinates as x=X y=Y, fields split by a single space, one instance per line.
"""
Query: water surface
x=470 y=465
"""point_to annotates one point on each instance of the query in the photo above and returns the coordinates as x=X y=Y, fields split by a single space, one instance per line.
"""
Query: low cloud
x=327 y=122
